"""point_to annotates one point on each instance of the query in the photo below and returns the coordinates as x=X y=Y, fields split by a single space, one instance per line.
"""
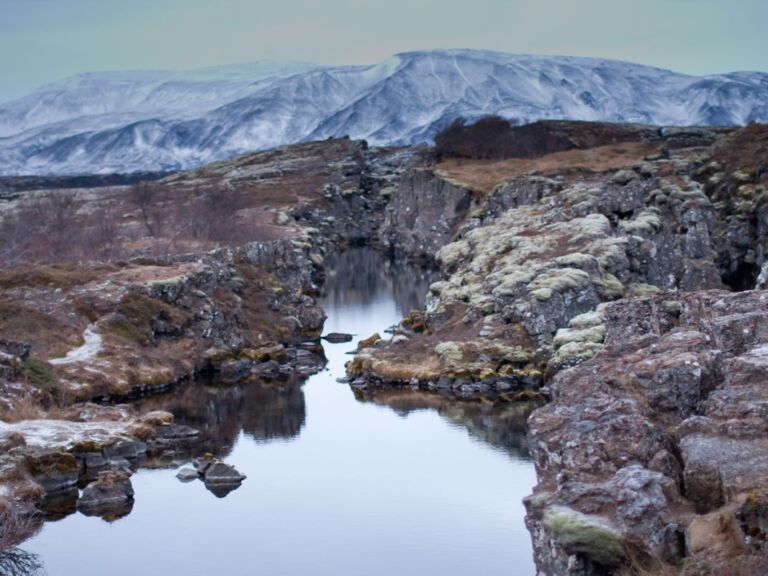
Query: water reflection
x=262 y=410
x=499 y=424
x=339 y=483
x=363 y=276
x=17 y=562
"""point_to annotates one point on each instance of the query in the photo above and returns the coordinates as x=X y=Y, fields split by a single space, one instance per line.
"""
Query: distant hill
x=154 y=120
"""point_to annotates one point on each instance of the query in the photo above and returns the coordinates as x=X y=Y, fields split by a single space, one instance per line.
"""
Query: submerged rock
x=220 y=478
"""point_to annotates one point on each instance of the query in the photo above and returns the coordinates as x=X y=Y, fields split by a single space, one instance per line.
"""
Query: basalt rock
x=109 y=496
x=336 y=337
x=674 y=403
x=54 y=470
x=187 y=474
x=424 y=214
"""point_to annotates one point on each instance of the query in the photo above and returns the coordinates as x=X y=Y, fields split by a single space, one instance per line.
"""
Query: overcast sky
x=45 y=40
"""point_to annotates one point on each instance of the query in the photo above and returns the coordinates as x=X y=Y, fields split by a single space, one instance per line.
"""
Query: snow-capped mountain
x=123 y=122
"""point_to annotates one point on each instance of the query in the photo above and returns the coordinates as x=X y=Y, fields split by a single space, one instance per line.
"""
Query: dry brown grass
x=484 y=175
x=745 y=150
x=62 y=276
x=16 y=525
x=48 y=336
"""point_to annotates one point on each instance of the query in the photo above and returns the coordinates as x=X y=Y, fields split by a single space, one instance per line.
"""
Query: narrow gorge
x=579 y=325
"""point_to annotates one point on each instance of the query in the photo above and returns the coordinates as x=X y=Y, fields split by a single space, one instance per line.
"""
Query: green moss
x=40 y=374
x=450 y=353
x=639 y=290
x=647 y=222
x=589 y=334
x=558 y=280
x=168 y=281
x=590 y=536
x=536 y=503
x=610 y=287
x=124 y=329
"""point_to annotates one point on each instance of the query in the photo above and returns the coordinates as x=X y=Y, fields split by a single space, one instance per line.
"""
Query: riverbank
x=604 y=277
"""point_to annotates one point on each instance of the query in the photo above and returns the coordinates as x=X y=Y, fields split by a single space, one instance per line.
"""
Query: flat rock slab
x=65 y=434
x=187 y=474
x=221 y=473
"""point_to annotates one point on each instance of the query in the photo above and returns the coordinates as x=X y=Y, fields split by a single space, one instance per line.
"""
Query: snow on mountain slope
x=122 y=122
x=142 y=93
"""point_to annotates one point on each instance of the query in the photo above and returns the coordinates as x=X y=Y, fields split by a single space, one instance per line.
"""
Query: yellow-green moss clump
x=134 y=315
x=590 y=536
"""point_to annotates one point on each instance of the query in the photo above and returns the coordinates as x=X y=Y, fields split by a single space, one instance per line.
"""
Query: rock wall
x=424 y=213
x=604 y=291
x=659 y=439
x=536 y=260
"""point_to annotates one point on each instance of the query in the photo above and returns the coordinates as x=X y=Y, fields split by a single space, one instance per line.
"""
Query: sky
x=46 y=40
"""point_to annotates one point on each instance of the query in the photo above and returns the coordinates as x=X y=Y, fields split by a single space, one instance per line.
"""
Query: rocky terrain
x=609 y=276
x=621 y=280
x=176 y=297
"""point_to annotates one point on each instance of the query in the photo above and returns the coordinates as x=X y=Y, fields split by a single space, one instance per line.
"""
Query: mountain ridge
x=158 y=120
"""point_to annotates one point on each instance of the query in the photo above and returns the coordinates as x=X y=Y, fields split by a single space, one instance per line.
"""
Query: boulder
x=54 y=470
x=217 y=472
x=109 y=496
x=187 y=474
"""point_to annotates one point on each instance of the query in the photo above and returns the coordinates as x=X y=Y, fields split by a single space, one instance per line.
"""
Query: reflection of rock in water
x=500 y=424
x=281 y=411
x=221 y=490
x=263 y=410
x=109 y=513
x=58 y=505
x=17 y=562
x=360 y=275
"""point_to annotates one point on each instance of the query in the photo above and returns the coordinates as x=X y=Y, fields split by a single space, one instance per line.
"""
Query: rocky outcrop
x=523 y=285
x=424 y=214
x=659 y=435
x=602 y=289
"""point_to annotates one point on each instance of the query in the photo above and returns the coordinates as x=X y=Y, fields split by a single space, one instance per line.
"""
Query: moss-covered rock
x=368 y=342
x=586 y=535
x=53 y=469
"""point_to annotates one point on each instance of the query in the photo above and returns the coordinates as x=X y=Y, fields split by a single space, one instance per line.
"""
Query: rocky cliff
x=623 y=283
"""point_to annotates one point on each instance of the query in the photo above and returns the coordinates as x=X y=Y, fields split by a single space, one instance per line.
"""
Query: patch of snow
x=63 y=433
x=155 y=120
x=91 y=347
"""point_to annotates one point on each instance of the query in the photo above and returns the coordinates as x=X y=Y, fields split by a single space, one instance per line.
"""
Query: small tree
x=146 y=196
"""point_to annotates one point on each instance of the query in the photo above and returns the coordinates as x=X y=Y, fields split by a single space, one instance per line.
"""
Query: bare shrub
x=221 y=206
x=212 y=216
x=18 y=562
x=147 y=198
x=487 y=138
x=104 y=235
x=43 y=228
x=16 y=525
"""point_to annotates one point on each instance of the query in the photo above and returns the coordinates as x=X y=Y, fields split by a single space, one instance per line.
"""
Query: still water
x=339 y=484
